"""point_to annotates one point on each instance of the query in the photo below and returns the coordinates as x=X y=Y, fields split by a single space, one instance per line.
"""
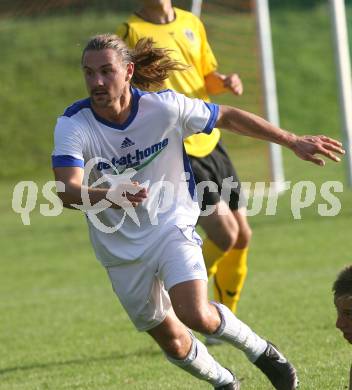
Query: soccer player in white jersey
x=126 y=146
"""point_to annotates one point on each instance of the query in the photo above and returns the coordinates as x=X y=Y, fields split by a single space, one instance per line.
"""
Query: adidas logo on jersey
x=126 y=143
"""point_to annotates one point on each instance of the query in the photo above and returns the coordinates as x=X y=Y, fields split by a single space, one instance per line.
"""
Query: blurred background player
x=342 y=289
x=228 y=235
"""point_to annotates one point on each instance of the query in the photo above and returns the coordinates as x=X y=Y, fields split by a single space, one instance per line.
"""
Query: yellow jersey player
x=228 y=234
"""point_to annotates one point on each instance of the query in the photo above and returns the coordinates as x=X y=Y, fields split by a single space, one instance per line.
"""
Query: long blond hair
x=151 y=65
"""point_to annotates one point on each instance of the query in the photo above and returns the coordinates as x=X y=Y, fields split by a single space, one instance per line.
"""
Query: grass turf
x=61 y=325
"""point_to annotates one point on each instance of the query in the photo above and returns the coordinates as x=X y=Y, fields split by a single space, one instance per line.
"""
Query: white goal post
x=343 y=67
x=269 y=89
x=196 y=7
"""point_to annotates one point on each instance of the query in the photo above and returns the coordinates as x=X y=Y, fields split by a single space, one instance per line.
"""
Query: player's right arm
x=72 y=178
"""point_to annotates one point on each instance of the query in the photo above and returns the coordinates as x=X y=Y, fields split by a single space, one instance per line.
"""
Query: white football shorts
x=142 y=284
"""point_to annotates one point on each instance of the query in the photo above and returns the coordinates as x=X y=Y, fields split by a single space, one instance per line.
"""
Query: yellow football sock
x=230 y=276
x=212 y=254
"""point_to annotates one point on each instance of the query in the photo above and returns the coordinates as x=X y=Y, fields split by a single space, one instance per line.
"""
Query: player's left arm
x=305 y=147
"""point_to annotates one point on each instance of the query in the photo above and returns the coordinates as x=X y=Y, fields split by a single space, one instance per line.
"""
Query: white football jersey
x=148 y=148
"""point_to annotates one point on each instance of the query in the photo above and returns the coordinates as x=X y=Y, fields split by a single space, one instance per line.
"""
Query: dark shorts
x=216 y=167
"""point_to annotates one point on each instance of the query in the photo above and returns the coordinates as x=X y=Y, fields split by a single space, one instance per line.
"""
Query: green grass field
x=61 y=326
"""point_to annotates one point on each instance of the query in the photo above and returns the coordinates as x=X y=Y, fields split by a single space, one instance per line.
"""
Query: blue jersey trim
x=66 y=160
x=188 y=169
x=214 y=113
x=76 y=107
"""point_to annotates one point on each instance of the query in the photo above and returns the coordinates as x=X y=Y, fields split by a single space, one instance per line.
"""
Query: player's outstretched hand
x=308 y=146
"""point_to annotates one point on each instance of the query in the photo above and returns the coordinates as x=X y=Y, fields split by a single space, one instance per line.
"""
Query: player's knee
x=176 y=347
x=227 y=239
x=201 y=320
x=244 y=237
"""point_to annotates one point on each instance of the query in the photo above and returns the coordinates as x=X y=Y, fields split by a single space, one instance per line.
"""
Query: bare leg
x=244 y=230
x=221 y=227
